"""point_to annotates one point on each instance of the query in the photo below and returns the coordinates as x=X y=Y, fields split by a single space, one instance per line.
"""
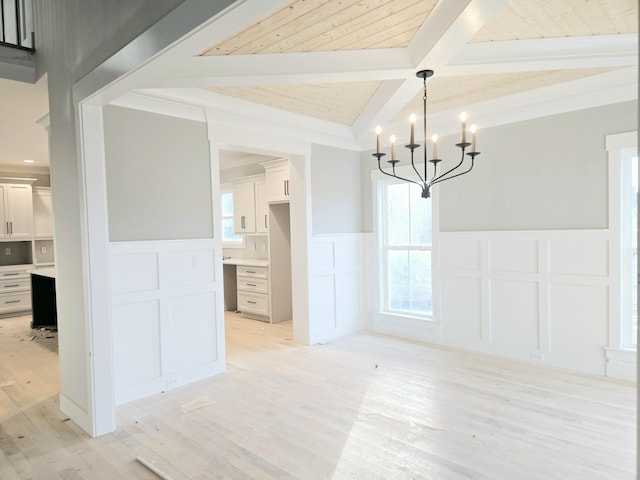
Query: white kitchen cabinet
x=262 y=207
x=277 y=176
x=16 y=212
x=15 y=289
x=42 y=213
x=253 y=291
x=249 y=205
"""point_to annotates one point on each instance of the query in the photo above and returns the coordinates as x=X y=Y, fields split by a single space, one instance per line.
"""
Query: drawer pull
x=251 y=302
x=12 y=301
x=248 y=285
x=251 y=271
x=11 y=274
x=11 y=286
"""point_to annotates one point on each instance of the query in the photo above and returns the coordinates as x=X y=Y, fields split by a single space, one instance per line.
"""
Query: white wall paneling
x=336 y=285
x=166 y=313
x=541 y=296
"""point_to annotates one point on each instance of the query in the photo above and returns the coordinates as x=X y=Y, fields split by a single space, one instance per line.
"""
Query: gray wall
x=336 y=195
x=158 y=176
x=548 y=173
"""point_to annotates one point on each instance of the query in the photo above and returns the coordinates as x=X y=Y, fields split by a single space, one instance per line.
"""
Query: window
x=623 y=225
x=229 y=238
x=629 y=160
x=406 y=245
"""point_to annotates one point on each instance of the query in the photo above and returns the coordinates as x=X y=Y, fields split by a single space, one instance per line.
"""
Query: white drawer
x=253 y=303
x=9 y=274
x=14 y=284
x=256 y=272
x=253 y=284
x=15 y=301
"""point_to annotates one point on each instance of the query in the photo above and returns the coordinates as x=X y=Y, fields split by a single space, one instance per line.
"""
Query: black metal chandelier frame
x=425 y=182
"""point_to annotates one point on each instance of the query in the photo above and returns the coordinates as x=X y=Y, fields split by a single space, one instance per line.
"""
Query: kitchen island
x=43 y=298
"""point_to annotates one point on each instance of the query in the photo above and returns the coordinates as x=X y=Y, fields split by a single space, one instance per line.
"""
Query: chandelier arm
x=393 y=175
x=440 y=179
x=437 y=179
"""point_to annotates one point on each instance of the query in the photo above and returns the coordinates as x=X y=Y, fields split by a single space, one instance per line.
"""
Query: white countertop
x=246 y=262
x=44 y=272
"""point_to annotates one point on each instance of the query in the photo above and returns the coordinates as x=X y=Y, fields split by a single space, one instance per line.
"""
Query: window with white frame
x=405 y=219
x=229 y=238
x=629 y=166
x=623 y=225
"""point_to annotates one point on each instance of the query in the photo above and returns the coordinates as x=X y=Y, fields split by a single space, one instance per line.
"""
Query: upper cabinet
x=42 y=213
x=262 y=208
x=277 y=175
x=16 y=212
x=249 y=206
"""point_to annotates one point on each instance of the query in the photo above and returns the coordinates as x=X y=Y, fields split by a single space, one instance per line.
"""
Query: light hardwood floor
x=360 y=407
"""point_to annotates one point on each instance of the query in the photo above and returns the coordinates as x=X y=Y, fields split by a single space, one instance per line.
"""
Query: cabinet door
x=4 y=221
x=20 y=211
x=278 y=184
x=42 y=213
x=262 y=208
x=244 y=214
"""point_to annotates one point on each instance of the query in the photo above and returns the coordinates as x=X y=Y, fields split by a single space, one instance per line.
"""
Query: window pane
x=420 y=217
x=227 y=204
x=398 y=214
x=420 y=282
x=398 y=280
x=227 y=231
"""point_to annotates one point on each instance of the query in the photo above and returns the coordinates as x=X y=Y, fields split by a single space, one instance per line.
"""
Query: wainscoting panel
x=461 y=307
x=134 y=273
x=514 y=314
x=461 y=254
x=539 y=296
x=167 y=315
x=136 y=334
x=513 y=256
x=336 y=294
x=588 y=257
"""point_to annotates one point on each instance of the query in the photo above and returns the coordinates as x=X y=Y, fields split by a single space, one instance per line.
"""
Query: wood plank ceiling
x=339 y=25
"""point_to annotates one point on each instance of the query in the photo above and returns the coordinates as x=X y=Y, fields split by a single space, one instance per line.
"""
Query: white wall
x=158 y=176
x=336 y=190
x=548 y=173
x=72 y=38
x=522 y=265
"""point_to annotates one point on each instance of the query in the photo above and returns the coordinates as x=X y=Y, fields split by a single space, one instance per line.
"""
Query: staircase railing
x=16 y=24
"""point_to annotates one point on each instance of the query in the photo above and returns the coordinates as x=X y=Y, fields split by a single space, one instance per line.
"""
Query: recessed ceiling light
x=28 y=161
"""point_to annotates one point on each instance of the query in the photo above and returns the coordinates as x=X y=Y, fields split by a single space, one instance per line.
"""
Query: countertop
x=44 y=272
x=246 y=262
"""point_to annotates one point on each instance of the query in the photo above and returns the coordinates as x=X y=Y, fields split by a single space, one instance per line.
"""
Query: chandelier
x=426 y=183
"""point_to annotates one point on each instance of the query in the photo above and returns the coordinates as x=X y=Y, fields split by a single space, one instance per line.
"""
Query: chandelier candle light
x=425 y=183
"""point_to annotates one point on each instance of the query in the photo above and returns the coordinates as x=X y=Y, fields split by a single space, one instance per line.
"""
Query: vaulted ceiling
x=343 y=66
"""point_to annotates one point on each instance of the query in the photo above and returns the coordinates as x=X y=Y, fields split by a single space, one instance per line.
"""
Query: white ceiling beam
x=446 y=31
x=595 y=51
x=287 y=68
x=190 y=28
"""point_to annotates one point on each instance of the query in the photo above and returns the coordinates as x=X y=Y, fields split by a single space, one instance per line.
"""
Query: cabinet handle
x=248 y=301
x=242 y=222
x=11 y=286
x=251 y=271
x=12 y=301
x=11 y=274
x=265 y=222
x=11 y=227
x=248 y=285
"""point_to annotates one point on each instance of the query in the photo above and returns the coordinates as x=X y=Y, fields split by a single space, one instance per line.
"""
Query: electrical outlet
x=7 y=251
x=173 y=382
x=537 y=356
x=43 y=249
x=195 y=261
